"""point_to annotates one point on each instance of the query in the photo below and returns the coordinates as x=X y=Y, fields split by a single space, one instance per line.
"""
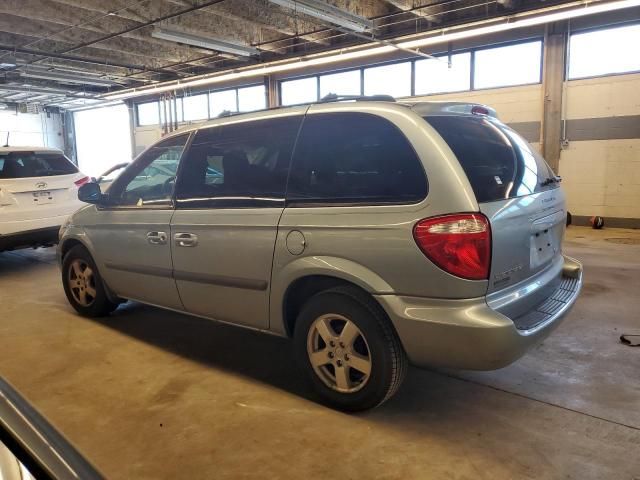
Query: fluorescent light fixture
x=529 y=19
x=328 y=13
x=69 y=78
x=204 y=42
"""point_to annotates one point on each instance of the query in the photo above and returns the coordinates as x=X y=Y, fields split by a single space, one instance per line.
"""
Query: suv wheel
x=348 y=348
x=83 y=285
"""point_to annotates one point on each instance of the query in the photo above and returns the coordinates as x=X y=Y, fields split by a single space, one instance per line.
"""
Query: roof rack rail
x=332 y=97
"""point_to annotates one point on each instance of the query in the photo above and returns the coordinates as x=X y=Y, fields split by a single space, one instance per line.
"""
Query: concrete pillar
x=552 y=80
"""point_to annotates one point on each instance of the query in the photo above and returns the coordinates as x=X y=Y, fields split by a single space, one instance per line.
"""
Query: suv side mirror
x=91 y=193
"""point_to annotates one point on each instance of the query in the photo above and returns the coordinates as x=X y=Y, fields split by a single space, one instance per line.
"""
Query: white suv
x=38 y=191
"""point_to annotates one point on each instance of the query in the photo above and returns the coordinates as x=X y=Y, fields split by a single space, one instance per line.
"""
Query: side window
x=354 y=158
x=150 y=180
x=239 y=164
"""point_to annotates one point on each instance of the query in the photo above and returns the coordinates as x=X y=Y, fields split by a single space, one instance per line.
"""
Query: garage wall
x=31 y=130
x=600 y=165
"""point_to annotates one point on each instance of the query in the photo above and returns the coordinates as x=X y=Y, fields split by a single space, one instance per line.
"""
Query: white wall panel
x=26 y=130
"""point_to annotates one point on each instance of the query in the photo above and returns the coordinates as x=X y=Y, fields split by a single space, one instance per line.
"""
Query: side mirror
x=91 y=193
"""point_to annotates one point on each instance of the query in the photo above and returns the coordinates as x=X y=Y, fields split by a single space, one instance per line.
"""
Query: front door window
x=149 y=182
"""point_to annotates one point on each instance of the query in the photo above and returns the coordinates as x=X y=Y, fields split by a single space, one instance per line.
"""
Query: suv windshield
x=34 y=164
x=498 y=162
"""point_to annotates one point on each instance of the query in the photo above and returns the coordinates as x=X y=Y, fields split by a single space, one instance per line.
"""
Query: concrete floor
x=153 y=394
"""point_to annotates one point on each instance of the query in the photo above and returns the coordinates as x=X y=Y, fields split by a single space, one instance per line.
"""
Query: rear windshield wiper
x=550 y=180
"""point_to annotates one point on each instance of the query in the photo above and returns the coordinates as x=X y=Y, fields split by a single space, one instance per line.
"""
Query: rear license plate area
x=545 y=244
x=42 y=198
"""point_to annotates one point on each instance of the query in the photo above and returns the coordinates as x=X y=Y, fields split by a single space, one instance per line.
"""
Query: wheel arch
x=306 y=276
x=67 y=244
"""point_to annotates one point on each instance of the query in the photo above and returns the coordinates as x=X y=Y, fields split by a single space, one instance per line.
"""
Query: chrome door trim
x=144 y=270
x=224 y=281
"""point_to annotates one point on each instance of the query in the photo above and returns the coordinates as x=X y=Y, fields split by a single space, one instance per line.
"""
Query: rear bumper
x=469 y=334
x=30 y=238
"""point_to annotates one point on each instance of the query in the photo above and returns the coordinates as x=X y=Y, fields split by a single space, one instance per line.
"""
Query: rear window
x=347 y=157
x=34 y=164
x=498 y=162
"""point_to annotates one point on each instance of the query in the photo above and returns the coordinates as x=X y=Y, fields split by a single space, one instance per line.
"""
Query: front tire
x=83 y=284
x=348 y=348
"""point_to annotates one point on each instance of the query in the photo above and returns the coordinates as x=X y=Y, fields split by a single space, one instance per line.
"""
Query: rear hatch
x=518 y=192
x=37 y=185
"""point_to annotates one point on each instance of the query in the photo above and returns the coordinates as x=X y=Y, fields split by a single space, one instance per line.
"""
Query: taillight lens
x=460 y=244
x=82 y=181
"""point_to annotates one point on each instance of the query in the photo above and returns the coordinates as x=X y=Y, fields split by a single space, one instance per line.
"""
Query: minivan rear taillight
x=460 y=244
x=82 y=181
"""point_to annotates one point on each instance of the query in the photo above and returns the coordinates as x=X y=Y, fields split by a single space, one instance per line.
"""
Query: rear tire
x=348 y=348
x=83 y=284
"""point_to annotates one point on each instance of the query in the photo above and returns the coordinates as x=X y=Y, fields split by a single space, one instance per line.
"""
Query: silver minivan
x=373 y=233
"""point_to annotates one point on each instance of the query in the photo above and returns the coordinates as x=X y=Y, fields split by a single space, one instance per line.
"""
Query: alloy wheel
x=339 y=353
x=82 y=282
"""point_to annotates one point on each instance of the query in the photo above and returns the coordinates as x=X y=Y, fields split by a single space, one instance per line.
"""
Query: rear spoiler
x=452 y=108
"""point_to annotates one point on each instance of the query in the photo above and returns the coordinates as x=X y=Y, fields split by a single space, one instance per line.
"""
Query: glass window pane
x=294 y=92
x=355 y=158
x=196 y=107
x=511 y=65
x=252 y=98
x=344 y=83
x=603 y=51
x=497 y=161
x=224 y=101
x=394 y=80
x=149 y=180
x=148 y=114
x=435 y=76
x=34 y=164
x=239 y=164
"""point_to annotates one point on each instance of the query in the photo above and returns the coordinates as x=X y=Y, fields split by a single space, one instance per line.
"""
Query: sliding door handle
x=184 y=239
x=157 y=238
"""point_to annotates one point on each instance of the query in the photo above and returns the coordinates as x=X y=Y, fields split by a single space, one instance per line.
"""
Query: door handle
x=184 y=239
x=157 y=238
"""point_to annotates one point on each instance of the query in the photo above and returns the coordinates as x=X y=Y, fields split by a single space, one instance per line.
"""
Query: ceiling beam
x=80 y=59
x=20 y=88
x=103 y=38
x=252 y=13
x=75 y=18
x=23 y=23
x=410 y=6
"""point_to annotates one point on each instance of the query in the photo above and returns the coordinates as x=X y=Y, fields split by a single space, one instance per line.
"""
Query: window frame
x=411 y=64
x=238 y=203
x=445 y=55
x=138 y=124
x=123 y=177
x=500 y=45
x=208 y=92
x=303 y=77
x=567 y=47
x=440 y=54
x=328 y=203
